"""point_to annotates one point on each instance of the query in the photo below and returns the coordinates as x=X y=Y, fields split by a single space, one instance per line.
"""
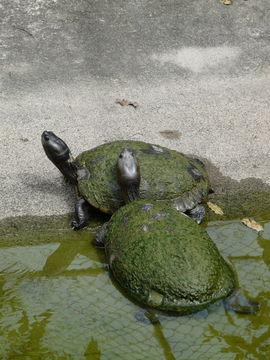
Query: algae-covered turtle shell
x=162 y=258
x=165 y=175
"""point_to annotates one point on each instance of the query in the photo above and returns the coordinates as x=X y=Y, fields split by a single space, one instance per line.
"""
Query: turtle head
x=128 y=173
x=55 y=148
x=58 y=152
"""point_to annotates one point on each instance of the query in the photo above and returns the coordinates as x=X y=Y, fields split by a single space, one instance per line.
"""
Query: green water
x=57 y=301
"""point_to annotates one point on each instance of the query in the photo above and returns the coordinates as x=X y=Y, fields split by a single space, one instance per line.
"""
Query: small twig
x=25 y=31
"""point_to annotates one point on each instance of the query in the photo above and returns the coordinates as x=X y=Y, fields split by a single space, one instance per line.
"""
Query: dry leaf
x=124 y=102
x=252 y=224
x=215 y=208
x=171 y=134
x=226 y=2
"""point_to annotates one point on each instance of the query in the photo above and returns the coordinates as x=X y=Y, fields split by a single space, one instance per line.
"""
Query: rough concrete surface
x=196 y=67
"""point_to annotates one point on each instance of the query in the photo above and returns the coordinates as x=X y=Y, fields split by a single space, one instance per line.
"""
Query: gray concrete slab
x=199 y=68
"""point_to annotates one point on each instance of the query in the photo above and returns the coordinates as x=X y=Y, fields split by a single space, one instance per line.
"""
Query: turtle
x=162 y=258
x=167 y=175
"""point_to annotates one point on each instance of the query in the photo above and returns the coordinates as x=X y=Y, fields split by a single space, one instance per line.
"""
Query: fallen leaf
x=24 y=139
x=171 y=134
x=226 y=2
x=215 y=208
x=252 y=224
x=124 y=102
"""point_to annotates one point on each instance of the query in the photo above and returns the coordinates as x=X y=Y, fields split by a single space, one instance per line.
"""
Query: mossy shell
x=163 y=259
x=165 y=175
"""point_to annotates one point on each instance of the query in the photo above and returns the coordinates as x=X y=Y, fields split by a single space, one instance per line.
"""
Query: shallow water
x=57 y=301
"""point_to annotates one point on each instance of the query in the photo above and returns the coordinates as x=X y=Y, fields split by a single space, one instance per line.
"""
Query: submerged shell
x=165 y=260
x=165 y=175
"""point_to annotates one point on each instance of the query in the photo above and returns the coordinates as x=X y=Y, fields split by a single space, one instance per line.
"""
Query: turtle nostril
x=45 y=135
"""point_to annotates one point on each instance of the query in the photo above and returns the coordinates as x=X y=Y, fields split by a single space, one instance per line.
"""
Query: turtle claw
x=98 y=241
x=141 y=317
x=146 y=317
x=240 y=304
x=98 y=244
x=77 y=225
x=197 y=214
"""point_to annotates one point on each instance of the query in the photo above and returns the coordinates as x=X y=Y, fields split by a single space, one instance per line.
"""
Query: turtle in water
x=166 y=175
x=162 y=258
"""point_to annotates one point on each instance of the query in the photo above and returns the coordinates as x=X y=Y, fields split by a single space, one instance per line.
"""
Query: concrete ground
x=199 y=70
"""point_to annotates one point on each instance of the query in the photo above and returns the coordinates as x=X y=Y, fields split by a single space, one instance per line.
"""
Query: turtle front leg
x=197 y=214
x=82 y=214
x=99 y=240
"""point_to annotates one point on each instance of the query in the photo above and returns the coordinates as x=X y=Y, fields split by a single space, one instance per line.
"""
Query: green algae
x=240 y=204
x=34 y=229
x=164 y=259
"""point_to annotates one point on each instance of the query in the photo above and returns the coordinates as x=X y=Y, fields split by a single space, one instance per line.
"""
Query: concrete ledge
x=200 y=69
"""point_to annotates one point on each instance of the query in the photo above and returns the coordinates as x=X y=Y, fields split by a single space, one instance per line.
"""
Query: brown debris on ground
x=125 y=102
x=226 y=2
